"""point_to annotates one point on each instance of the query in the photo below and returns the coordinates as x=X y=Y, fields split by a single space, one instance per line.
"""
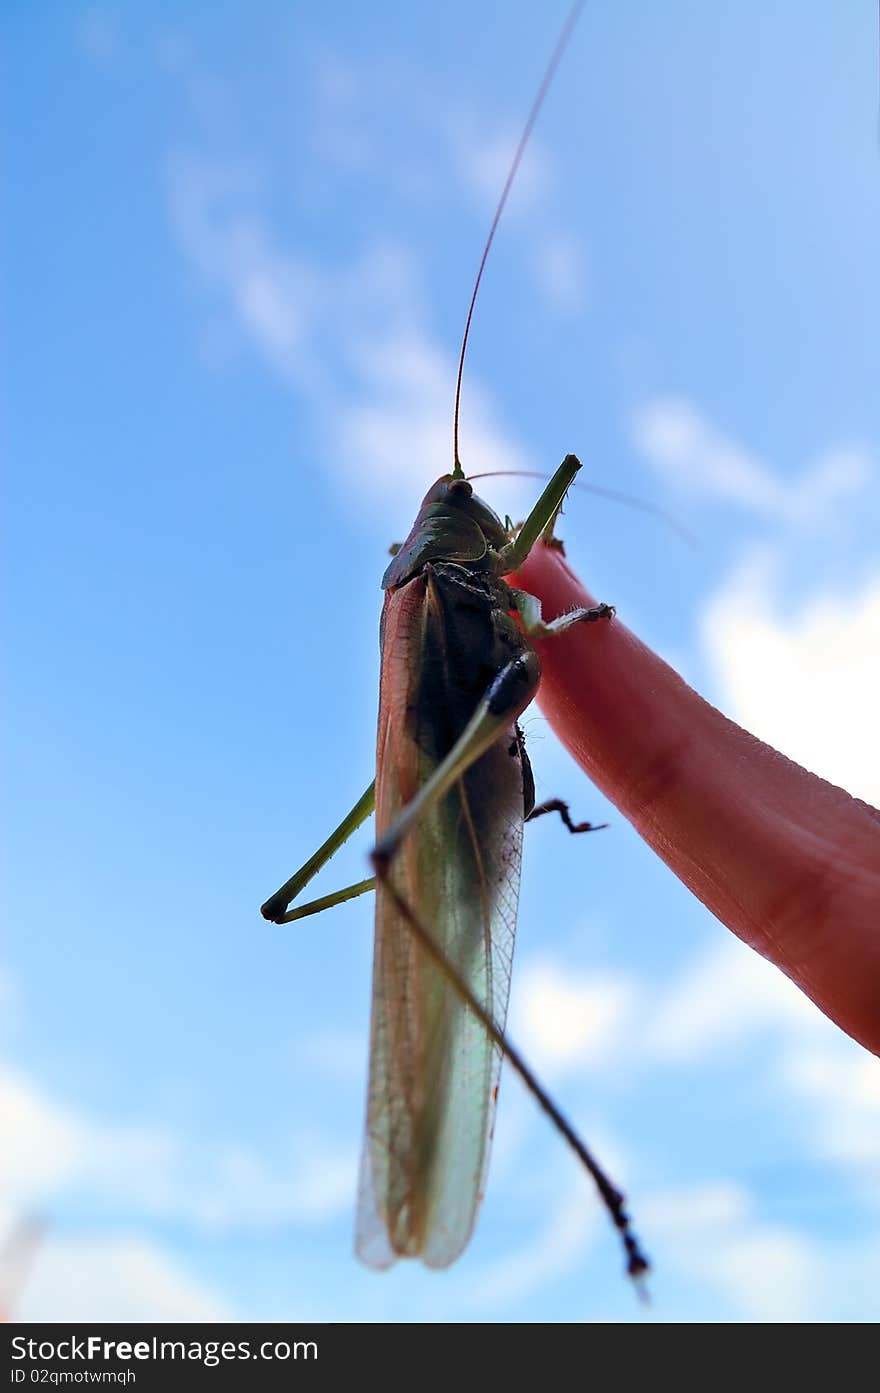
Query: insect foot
x=556 y=805
x=590 y=616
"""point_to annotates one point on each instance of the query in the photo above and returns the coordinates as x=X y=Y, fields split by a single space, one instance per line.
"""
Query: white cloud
x=352 y=336
x=770 y=1273
x=807 y=682
x=272 y=294
x=729 y=997
x=43 y=1142
x=46 y=1276
x=51 y=1151
x=711 y=1234
x=708 y=1233
x=841 y=1086
x=119 y=1278
x=567 y=1020
x=558 y=1249
x=691 y=454
x=241 y=1189
x=401 y=425
x=804 y=679
x=20 y=1239
x=726 y=995
x=695 y=1209
x=836 y=473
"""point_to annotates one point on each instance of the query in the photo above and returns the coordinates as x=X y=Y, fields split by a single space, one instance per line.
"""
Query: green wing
x=433 y=1071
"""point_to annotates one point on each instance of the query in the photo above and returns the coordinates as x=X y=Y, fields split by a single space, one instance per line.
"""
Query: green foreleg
x=542 y=516
x=529 y=609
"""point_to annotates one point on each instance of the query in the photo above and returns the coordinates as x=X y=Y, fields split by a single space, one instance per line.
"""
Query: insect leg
x=510 y=692
x=529 y=609
x=541 y=518
x=276 y=905
x=637 y=1264
x=556 y=805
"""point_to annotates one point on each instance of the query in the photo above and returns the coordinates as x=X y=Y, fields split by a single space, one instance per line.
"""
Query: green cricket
x=452 y=791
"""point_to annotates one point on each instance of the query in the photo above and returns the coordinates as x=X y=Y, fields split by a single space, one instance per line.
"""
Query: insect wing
x=433 y=1070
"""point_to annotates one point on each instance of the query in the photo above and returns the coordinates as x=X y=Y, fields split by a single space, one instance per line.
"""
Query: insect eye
x=462 y=486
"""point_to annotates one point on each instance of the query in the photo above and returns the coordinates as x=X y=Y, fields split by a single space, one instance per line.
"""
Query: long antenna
x=549 y=73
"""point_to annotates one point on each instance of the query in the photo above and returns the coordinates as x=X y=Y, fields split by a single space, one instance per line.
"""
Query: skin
x=789 y=863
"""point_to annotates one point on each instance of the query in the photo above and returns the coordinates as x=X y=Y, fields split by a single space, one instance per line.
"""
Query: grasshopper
x=452 y=791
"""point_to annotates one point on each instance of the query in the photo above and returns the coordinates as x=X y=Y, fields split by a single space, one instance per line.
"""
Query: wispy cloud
x=44 y=1140
x=841 y=1087
x=695 y=1209
x=560 y=1245
x=567 y=1020
x=124 y=1277
x=272 y=294
x=47 y=1274
x=54 y=1152
x=725 y=995
x=713 y=1235
x=241 y=1189
x=729 y=998
x=353 y=336
x=693 y=455
x=350 y=330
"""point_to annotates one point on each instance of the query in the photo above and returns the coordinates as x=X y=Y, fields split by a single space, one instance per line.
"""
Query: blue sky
x=240 y=247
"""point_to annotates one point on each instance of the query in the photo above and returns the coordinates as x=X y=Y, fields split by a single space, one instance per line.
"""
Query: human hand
x=790 y=863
